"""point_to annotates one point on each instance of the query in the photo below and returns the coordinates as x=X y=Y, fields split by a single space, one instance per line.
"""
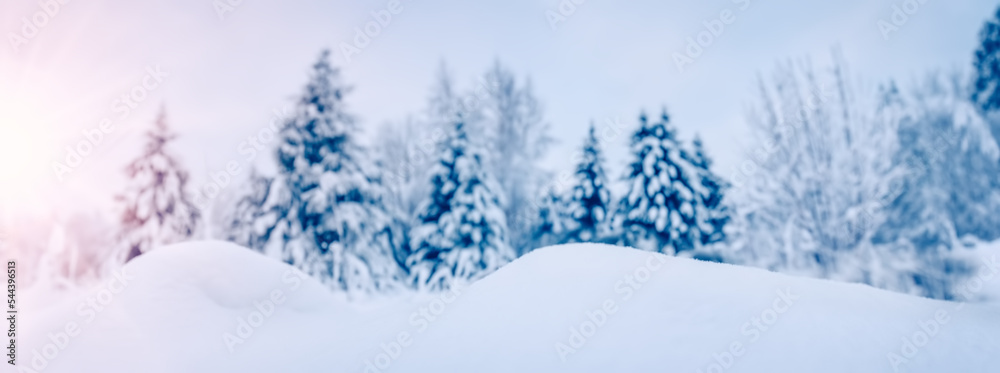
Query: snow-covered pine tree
x=550 y=228
x=461 y=232
x=658 y=212
x=255 y=216
x=712 y=214
x=986 y=62
x=157 y=209
x=408 y=149
x=590 y=197
x=339 y=230
x=986 y=78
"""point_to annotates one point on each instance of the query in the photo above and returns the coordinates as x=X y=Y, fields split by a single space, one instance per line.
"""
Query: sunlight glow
x=26 y=143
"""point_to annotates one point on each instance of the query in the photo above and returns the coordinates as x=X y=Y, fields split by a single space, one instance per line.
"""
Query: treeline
x=858 y=182
x=456 y=192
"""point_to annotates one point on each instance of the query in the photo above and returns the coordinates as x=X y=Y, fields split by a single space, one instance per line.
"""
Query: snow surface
x=182 y=300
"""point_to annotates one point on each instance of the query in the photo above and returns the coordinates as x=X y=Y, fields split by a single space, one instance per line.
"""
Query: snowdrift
x=216 y=307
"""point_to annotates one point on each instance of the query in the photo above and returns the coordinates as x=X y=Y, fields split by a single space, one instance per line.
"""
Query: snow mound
x=601 y=308
x=570 y=308
x=170 y=311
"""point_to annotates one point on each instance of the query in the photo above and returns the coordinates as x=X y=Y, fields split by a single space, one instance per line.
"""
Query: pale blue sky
x=607 y=60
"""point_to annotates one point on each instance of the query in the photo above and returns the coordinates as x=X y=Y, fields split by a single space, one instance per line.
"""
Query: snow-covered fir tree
x=156 y=207
x=552 y=221
x=713 y=214
x=986 y=62
x=658 y=211
x=590 y=198
x=336 y=226
x=986 y=74
x=255 y=216
x=409 y=148
x=461 y=231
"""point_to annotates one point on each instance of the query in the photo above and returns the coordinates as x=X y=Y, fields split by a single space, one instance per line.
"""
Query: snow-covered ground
x=216 y=307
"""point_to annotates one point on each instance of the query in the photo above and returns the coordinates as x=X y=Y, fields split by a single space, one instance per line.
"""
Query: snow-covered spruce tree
x=986 y=78
x=986 y=62
x=550 y=228
x=256 y=215
x=658 y=211
x=409 y=148
x=517 y=137
x=462 y=231
x=404 y=166
x=590 y=198
x=156 y=207
x=338 y=229
x=713 y=214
